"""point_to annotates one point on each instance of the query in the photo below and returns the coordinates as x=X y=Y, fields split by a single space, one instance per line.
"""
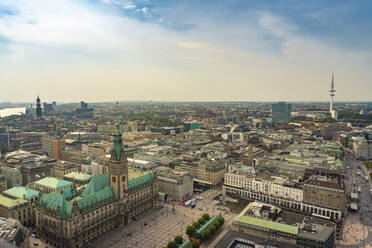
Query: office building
x=175 y=185
x=52 y=146
x=281 y=112
x=61 y=168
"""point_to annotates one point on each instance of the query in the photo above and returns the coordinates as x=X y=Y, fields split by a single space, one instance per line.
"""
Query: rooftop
x=78 y=176
x=53 y=182
x=147 y=177
x=244 y=218
x=9 y=202
x=22 y=192
x=306 y=227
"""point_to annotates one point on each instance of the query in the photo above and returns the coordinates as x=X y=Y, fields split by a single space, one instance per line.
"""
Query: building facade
x=52 y=146
x=61 y=168
x=68 y=218
x=177 y=185
x=18 y=209
x=208 y=173
x=281 y=112
x=281 y=192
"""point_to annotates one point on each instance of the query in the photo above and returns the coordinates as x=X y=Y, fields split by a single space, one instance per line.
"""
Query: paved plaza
x=157 y=227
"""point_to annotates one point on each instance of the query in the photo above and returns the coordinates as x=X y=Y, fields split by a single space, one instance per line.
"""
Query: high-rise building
x=52 y=146
x=281 y=112
x=84 y=111
x=48 y=107
x=38 y=107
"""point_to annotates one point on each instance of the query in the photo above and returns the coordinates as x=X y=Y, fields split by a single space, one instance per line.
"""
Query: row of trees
x=190 y=230
x=206 y=234
x=178 y=240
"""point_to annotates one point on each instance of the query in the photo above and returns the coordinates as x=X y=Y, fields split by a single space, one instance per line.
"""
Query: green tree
x=221 y=220
x=217 y=224
x=196 y=224
x=178 y=239
x=195 y=244
x=205 y=216
x=206 y=234
x=201 y=220
x=190 y=230
x=212 y=228
x=172 y=244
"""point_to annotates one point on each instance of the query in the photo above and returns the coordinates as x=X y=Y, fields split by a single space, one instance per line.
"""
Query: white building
x=362 y=150
x=274 y=190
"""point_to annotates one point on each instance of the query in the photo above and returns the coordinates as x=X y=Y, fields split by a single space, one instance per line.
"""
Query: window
x=123 y=178
x=113 y=179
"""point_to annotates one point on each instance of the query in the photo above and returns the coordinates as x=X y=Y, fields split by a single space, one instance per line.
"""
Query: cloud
x=193 y=44
x=162 y=49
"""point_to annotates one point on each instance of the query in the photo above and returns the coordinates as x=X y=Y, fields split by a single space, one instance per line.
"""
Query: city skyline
x=111 y=50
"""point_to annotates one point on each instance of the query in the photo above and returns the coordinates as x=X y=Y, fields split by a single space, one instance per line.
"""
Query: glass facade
x=281 y=112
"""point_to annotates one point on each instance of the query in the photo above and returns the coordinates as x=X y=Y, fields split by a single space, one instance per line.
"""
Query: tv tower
x=332 y=91
x=332 y=94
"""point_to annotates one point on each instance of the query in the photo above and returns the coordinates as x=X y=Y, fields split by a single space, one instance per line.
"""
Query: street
x=357 y=230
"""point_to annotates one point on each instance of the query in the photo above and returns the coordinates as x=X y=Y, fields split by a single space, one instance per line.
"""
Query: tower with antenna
x=332 y=91
x=332 y=94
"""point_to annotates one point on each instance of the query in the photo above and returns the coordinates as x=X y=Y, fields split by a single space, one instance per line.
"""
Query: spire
x=117 y=146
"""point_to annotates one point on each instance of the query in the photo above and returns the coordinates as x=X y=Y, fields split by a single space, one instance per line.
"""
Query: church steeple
x=38 y=106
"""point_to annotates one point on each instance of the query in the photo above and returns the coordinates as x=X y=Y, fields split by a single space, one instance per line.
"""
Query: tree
x=195 y=244
x=212 y=228
x=221 y=220
x=196 y=224
x=217 y=224
x=206 y=234
x=172 y=244
x=178 y=239
x=190 y=229
x=205 y=216
x=201 y=220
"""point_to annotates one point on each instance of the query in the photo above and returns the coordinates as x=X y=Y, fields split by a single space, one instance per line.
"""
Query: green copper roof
x=22 y=192
x=96 y=199
x=55 y=201
x=69 y=193
x=96 y=184
x=148 y=177
x=117 y=152
x=95 y=194
x=272 y=225
x=53 y=182
x=9 y=203
x=78 y=176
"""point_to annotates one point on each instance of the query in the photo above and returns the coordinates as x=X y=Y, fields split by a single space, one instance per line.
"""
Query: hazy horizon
x=184 y=51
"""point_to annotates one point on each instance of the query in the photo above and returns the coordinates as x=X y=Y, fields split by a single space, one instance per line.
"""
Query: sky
x=206 y=50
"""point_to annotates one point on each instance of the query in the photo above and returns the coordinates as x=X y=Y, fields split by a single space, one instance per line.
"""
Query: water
x=12 y=111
